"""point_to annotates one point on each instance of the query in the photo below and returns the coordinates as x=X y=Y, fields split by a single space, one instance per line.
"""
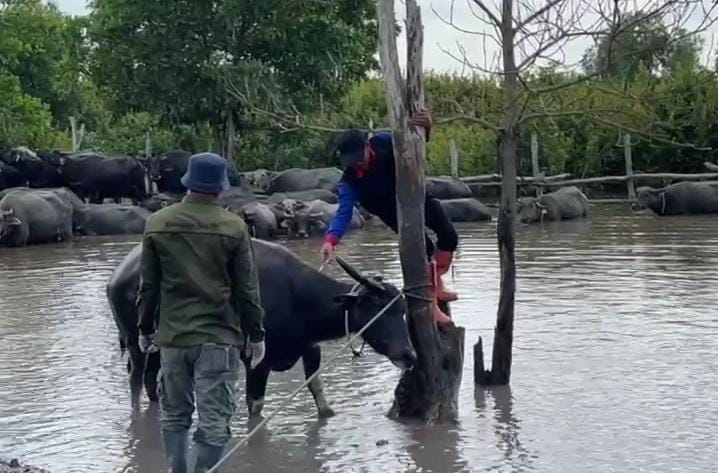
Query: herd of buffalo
x=48 y=196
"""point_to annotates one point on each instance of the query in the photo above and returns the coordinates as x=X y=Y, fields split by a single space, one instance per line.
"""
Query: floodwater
x=615 y=362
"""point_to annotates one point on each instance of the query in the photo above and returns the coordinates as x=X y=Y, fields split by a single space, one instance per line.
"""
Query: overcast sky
x=440 y=36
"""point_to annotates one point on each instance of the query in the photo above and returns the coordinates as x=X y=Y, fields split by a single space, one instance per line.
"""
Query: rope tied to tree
x=409 y=292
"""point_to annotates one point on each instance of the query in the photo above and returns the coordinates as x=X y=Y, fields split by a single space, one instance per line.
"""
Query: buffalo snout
x=404 y=359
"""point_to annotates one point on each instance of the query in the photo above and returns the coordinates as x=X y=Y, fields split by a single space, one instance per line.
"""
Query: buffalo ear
x=346 y=301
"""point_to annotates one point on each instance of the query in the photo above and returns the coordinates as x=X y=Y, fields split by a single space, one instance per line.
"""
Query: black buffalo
x=160 y=201
x=567 y=203
x=260 y=218
x=297 y=179
x=312 y=194
x=167 y=171
x=10 y=176
x=96 y=177
x=465 y=210
x=303 y=308
x=41 y=169
x=259 y=179
x=38 y=216
x=236 y=197
x=304 y=219
x=447 y=188
x=111 y=219
x=63 y=193
x=682 y=198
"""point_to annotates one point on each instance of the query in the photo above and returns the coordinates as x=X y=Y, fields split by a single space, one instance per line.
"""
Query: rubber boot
x=176 y=449
x=443 y=261
x=207 y=457
x=437 y=314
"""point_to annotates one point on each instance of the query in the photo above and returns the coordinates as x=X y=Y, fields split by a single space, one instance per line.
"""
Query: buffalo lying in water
x=303 y=307
x=567 y=203
x=682 y=198
x=37 y=216
x=112 y=219
x=466 y=210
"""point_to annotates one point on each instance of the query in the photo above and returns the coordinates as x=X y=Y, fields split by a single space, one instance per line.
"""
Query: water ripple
x=615 y=361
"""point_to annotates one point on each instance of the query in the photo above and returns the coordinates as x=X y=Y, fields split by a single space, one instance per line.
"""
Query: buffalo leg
x=152 y=368
x=256 y=387
x=311 y=359
x=136 y=367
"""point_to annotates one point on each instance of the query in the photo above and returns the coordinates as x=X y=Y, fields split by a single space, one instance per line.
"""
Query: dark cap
x=350 y=147
x=206 y=173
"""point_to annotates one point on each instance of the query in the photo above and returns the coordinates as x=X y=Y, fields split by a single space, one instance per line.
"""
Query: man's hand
x=423 y=119
x=255 y=351
x=327 y=252
x=147 y=343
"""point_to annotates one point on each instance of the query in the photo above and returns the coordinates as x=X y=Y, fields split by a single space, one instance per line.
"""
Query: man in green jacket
x=199 y=278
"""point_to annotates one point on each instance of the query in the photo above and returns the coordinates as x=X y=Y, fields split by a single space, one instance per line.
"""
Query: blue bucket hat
x=206 y=173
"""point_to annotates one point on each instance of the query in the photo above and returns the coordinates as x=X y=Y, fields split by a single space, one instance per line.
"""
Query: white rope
x=231 y=451
x=346 y=320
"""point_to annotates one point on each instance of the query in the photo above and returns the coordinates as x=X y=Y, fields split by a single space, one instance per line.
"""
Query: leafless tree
x=528 y=33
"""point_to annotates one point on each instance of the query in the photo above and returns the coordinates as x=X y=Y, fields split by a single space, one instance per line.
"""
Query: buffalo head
x=531 y=210
x=298 y=218
x=389 y=334
x=305 y=221
x=154 y=165
x=22 y=154
x=8 y=223
x=649 y=198
x=249 y=215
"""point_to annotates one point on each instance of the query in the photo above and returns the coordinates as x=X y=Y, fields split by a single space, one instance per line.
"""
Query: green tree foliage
x=175 y=68
x=642 y=42
x=23 y=118
x=172 y=57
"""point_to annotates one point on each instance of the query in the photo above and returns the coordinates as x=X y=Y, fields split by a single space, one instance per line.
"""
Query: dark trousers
x=207 y=374
x=435 y=219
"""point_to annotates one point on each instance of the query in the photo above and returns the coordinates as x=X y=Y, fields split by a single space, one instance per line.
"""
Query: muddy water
x=615 y=362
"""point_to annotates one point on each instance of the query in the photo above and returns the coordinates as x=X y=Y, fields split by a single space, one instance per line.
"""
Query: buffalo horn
x=357 y=276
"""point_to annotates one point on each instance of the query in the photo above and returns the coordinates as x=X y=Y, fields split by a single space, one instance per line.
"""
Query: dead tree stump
x=428 y=392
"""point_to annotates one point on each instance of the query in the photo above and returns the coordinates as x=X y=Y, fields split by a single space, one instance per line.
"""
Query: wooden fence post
x=454 y=155
x=630 y=183
x=535 y=161
x=148 y=144
x=73 y=130
x=81 y=136
x=229 y=156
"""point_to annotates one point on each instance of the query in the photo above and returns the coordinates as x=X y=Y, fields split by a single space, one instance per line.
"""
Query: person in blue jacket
x=369 y=180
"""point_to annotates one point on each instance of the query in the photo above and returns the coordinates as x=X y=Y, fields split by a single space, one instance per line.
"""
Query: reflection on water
x=614 y=361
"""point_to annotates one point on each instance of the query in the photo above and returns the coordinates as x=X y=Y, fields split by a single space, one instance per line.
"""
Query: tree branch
x=537 y=14
x=494 y=19
x=648 y=135
x=468 y=118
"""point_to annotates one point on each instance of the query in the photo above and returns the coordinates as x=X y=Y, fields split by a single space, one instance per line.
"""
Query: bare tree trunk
x=429 y=391
x=508 y=151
